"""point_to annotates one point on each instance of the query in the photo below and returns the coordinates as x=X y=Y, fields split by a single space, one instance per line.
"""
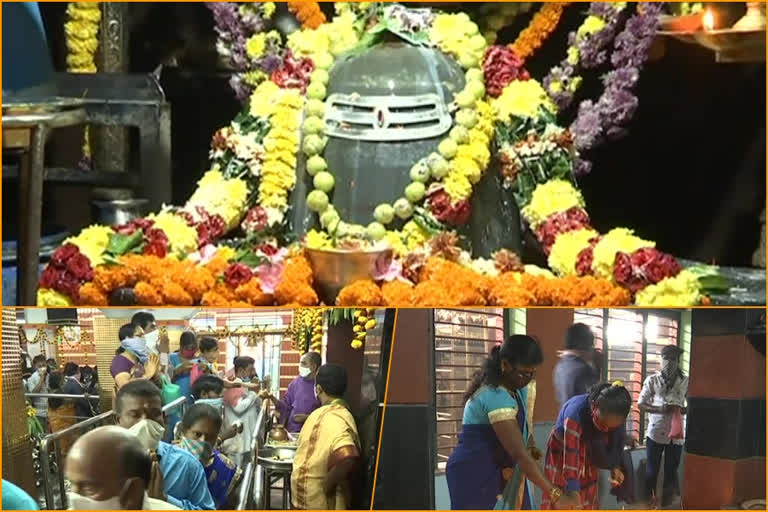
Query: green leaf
x=122 y=244
x=249 y=258
x=710 y=278
x=111 y=260
x=714 y=283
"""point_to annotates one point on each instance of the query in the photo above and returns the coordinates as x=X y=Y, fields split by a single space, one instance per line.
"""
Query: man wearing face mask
x=38 y=383
x=99 y=486
x=300 y=399
x=664 y=394
x=157 y=343
x=138 y=408
x=328 y=449
x=241 y=408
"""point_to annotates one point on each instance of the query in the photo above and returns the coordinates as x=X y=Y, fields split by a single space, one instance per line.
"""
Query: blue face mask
x=138 y=347
x=216 y=403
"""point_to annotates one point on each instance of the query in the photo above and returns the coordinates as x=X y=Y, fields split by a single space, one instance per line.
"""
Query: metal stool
x=272 y=476
x=26 y=127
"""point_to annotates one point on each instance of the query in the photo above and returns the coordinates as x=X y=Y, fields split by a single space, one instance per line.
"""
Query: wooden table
x=26 y=128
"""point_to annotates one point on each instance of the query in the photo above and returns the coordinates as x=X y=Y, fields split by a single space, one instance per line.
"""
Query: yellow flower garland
x=82 y=31
x=220 y=196
x=615 y=241
x=92 y=242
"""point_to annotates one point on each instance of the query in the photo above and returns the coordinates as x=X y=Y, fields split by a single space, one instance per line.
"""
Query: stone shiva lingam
x=387 y=107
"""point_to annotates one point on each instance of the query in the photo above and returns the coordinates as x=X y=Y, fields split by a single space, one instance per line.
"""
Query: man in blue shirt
x=14 y=498
x=576 y=371
x=139 y=409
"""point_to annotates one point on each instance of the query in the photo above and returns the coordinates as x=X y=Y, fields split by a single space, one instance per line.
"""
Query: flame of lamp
x=754 y=19
x=708 y=20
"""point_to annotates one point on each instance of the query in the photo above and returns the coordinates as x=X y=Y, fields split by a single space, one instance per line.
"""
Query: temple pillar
x=725 y=445
x=17 y=446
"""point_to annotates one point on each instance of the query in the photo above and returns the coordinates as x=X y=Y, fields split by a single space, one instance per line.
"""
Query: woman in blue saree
x=494 y=462
x=199 y=436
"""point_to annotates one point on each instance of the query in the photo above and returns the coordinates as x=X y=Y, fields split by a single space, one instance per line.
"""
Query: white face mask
x=216 y=403
x=152 y=338
x=304 y=371
x=149 y=433
x=78 y=502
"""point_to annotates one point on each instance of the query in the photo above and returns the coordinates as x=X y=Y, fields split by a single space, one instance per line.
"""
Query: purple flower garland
x=592 y=53
x=607 y=118
x=235 y=24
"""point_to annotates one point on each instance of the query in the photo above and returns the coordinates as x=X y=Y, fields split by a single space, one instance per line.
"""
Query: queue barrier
x=49 y=443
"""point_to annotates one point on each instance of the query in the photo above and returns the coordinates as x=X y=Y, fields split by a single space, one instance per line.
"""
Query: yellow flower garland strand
x=82 y=31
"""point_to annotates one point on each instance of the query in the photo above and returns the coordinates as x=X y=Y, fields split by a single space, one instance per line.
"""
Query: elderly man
x=300 y=399
x=122 y=485
x=664 y=394
x=139 y=409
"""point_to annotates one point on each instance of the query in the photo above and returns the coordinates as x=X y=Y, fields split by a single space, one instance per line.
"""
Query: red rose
x=237 y=274
x=80 y=266
x=217 y=225
x=655 y=265
x=461 y=212
x=187 y=217
x=559 y=223
x=156 y=236
x=156 y=249
x=267 y=249
x=157 y=243
x=63 y=254
x=50 y=277
x=294 y=73
x=585 y=258
x=501 y=66
x=255 y=221
x=69 y=285
x=440 y=206
x=644 y=267
x=130 y=227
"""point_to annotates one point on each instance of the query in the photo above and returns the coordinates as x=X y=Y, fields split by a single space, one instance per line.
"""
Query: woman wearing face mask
x=586 y=421
x=494 y=462
x=133 y=360
x=199 y=435
x=183 y=361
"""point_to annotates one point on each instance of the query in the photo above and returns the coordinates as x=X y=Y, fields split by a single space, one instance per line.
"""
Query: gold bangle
x=555 y=494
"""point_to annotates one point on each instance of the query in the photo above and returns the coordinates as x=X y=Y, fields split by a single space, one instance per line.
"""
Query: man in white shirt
x=109 y=470
x=242 y=410
x=664 y=394
x=38 y=383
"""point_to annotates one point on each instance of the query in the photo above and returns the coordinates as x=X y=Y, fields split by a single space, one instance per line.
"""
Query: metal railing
x=253 y=475
x=50 y=439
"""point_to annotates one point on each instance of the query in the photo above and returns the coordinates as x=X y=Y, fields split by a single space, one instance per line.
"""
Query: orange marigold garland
x=542 y=25
x=308 y=13
x=446 y=283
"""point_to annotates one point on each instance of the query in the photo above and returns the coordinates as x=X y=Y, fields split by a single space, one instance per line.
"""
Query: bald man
x=100 y=482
